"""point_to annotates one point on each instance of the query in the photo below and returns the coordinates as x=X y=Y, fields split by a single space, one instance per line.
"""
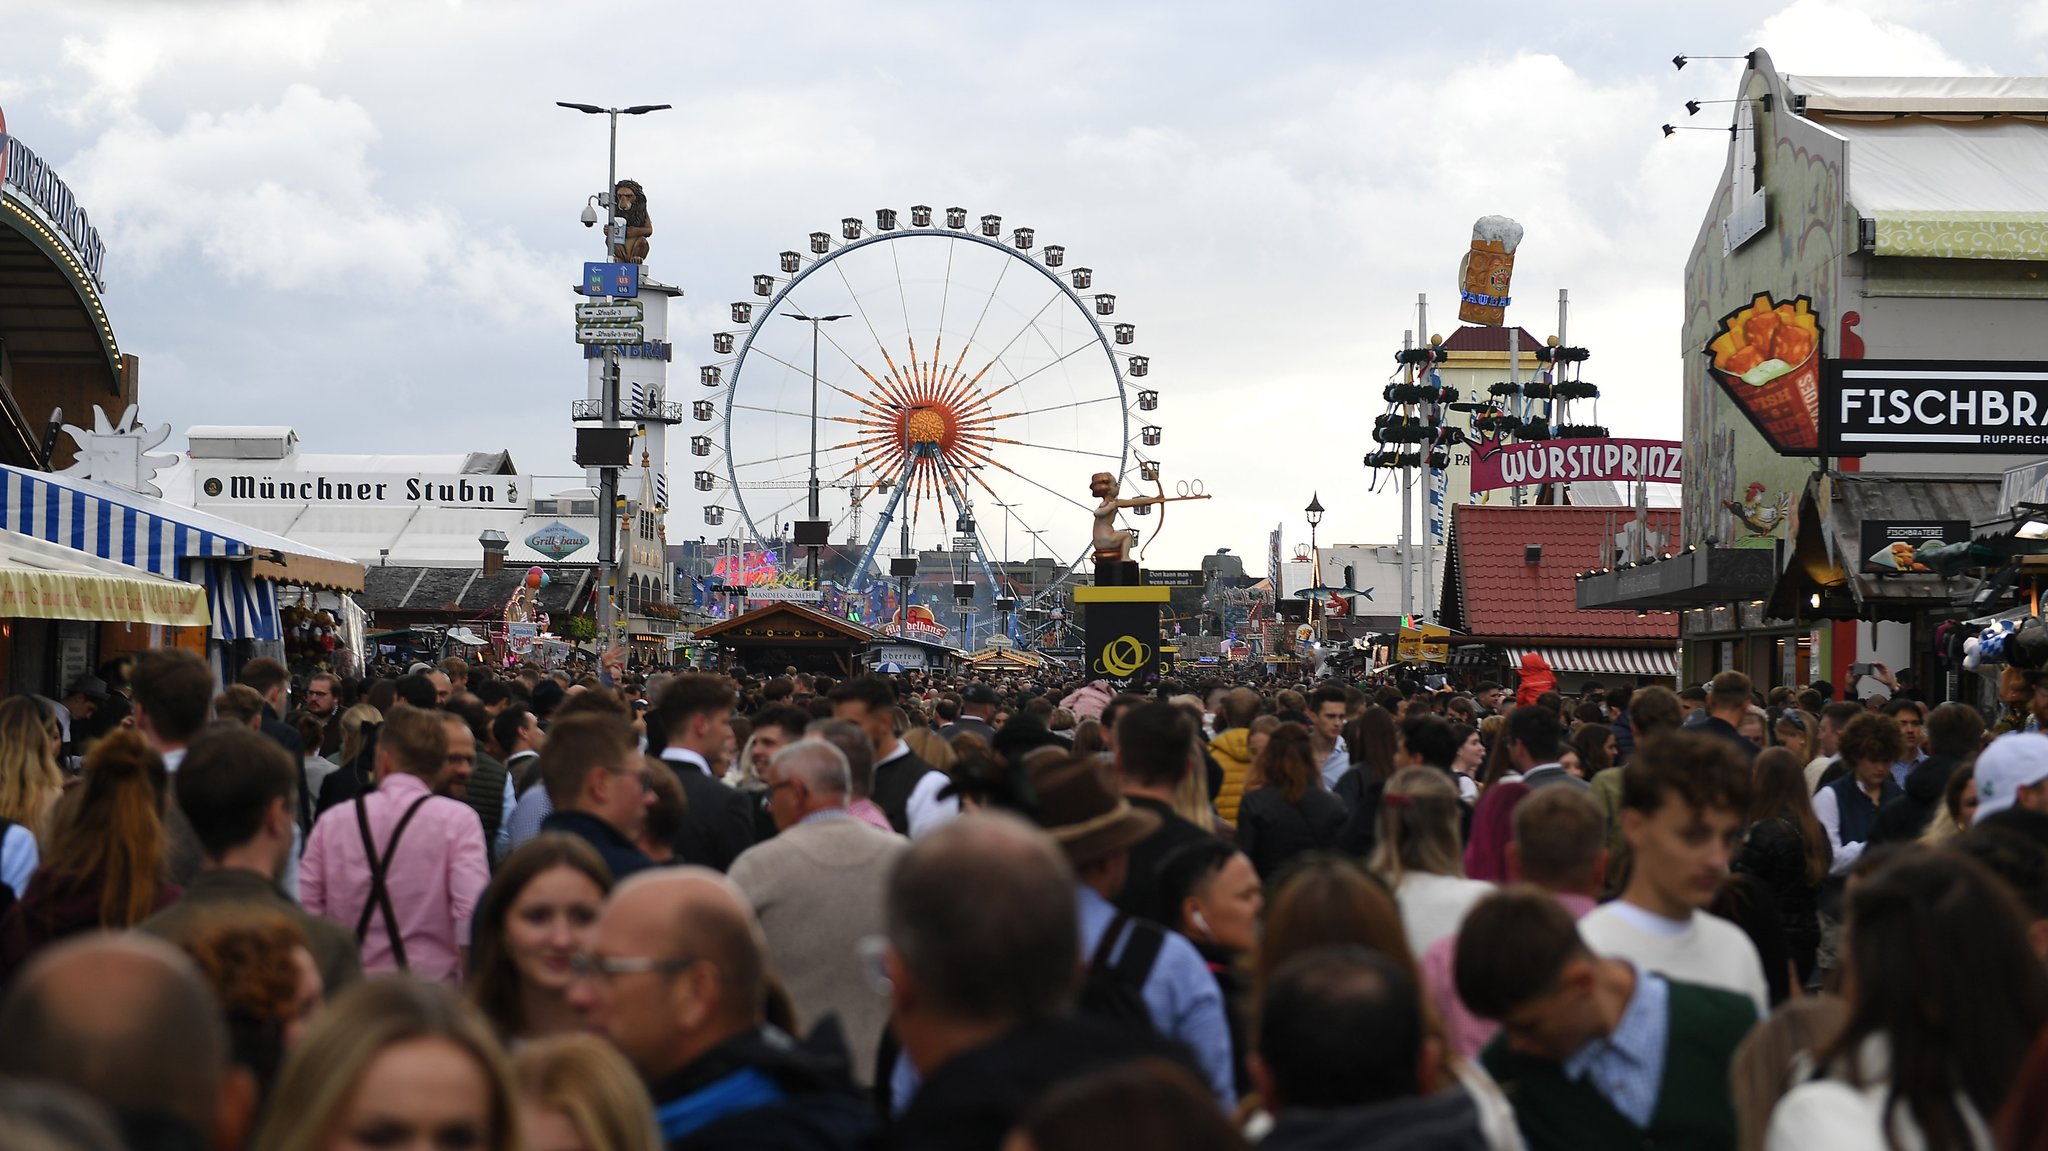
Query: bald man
x=677 y=979
x=129 y=1021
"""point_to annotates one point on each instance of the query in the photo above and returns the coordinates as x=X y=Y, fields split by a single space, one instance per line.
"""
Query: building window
x=545 y=508
x=582 y=507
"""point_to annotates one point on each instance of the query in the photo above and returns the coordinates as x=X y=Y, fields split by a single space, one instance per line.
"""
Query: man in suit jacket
x=817 y=889
x=695 y=714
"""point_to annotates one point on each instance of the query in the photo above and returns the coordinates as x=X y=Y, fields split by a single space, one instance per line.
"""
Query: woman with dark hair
x=538 y=915
x=1287 y=811
x=105 y=867
x=1373 y=743
x=1945 y=997
x=1470 y=762
x=1786 y=850
x=1595 y=744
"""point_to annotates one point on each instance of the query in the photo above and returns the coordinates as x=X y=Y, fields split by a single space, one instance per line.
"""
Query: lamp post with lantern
x=1314 y=511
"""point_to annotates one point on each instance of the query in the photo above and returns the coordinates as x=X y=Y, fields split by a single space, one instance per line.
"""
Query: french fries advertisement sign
x=1766 y=357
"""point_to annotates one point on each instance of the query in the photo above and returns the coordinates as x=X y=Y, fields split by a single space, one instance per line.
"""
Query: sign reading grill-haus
x=385 y=489
x=1934 y=406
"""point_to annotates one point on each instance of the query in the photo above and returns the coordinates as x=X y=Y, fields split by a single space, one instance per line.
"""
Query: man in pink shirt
x=409 y=901
x=1559 y=845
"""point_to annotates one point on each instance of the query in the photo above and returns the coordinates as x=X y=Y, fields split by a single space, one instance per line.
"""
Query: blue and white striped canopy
x=147 y=533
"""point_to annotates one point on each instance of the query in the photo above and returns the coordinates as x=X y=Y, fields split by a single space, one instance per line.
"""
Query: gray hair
x=821 y=766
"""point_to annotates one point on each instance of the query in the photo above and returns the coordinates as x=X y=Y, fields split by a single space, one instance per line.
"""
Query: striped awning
x=1650 y=661
x=235 y=565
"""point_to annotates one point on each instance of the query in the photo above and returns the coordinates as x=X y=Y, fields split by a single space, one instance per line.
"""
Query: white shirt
x=1336 y=764
x=1704 y=949
x=685 y=755
x=1433 y=906
x=1830 y=1115
x=1827 y=807
x=18 y=858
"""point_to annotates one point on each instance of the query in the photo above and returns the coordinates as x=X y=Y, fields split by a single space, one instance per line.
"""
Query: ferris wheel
x=957 y=387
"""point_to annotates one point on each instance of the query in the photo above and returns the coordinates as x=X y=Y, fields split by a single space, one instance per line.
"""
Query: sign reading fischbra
x=1934 y=406
x=364 y=488
x=1569 y=461
x=38 y=183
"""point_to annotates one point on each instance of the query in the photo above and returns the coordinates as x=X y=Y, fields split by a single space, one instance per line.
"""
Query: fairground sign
x=35 y=182
x=1569 y=461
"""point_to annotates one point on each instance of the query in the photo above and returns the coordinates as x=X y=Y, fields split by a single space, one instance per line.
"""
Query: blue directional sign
x=615 y=280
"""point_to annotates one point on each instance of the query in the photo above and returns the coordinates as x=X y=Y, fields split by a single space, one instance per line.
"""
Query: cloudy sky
x=358 y=218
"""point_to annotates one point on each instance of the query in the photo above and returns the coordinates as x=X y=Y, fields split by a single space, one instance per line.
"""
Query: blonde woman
x=1420 y=857
x=930 y=746
x=30 y=780
x=577 y=1093
x=394 y=1063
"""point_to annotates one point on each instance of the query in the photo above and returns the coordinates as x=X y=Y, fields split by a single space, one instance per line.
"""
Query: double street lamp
x=813 y=526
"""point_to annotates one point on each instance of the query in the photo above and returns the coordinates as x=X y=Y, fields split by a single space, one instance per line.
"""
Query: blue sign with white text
x=614 y=280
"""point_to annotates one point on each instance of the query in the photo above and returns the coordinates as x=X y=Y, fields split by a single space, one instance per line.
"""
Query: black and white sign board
x=1933 y=406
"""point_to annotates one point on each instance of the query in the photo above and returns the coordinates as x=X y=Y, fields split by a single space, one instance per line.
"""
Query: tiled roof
x=466 y=591
x=1472 y=338
x=1493 y=594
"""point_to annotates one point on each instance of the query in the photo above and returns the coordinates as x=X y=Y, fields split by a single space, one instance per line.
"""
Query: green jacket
x=1693 y=1112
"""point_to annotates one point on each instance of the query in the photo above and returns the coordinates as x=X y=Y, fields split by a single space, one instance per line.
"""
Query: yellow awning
x=39 y=580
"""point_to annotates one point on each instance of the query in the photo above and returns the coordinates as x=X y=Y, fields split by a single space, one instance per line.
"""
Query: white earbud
x=1202 y=922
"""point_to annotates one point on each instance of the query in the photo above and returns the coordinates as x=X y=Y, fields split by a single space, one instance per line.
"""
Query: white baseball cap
x=2013 y=761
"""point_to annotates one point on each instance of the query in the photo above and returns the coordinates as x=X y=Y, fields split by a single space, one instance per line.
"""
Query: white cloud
x=130 y=45
x=1826 y=38
x=286 y=199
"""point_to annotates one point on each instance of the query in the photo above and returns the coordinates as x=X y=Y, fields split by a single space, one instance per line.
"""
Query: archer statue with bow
x=1112 y=543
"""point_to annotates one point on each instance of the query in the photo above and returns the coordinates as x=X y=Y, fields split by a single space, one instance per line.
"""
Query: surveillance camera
x=589 y=216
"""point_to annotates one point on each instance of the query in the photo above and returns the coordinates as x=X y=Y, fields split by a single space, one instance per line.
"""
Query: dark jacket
x=619 y=853
x=1445 y=1121
x=1903 y=819
x=485 y=793
x=1231 y=979
x=1272 y=831
x=894 y=781
x=1360 y=794
x=1773 y=852
x=762 y=1091
x=334 y=947
x=970 y=1102
x=718 y=822
x=1720 y=729
x=1140 y=895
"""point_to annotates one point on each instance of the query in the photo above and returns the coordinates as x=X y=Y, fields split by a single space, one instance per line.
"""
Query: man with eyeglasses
x=323 y=702
x=817 y=887
x=597 y=780
x=676 y=979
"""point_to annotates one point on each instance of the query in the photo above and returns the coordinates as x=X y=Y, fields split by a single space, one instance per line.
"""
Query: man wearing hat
x=1096 y=828
x=977 y=705
x=2013 y=773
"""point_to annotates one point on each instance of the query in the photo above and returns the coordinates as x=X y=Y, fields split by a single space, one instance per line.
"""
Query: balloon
x=536 y=578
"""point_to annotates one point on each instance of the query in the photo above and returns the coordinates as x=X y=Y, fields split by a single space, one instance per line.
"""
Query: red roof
x=1476 y=339
x=1494 y=594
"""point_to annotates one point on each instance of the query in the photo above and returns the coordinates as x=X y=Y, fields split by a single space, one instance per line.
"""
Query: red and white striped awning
x=1651 y=661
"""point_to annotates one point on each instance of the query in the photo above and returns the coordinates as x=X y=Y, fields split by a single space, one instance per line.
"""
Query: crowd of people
x=514 y=909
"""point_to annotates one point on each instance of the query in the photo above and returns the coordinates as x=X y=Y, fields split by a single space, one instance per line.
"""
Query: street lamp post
x=814 y=321
x=1315 y=565
x=608 y=402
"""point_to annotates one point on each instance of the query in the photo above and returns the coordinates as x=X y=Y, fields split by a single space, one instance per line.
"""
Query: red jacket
x=1537 y=678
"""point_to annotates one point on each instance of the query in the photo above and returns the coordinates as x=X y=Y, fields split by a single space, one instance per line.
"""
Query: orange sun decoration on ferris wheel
x=924 y=421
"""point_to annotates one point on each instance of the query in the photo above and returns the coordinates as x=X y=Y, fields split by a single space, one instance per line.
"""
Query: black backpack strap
x=379 y=897
x=1106 y=946
x=1134 y=966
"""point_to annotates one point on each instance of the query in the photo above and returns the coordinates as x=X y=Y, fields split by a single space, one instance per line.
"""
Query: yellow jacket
x=1235 y=758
